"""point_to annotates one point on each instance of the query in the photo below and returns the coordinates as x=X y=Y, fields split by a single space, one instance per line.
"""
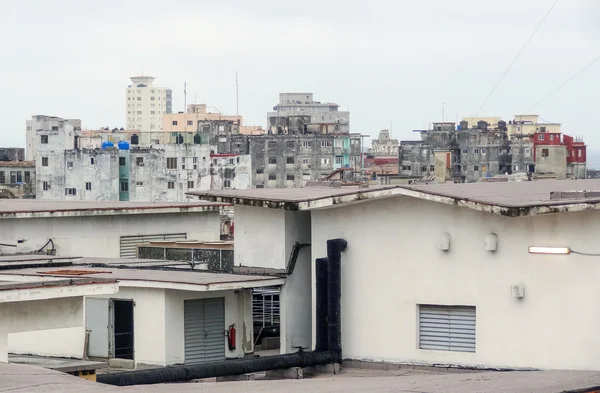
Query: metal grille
x=129 y=243
x=265 y=306
x=204 y=322
x=447 y=328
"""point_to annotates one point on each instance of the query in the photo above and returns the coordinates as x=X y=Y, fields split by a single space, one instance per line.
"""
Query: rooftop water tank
x=123 y=145
x=107 y=145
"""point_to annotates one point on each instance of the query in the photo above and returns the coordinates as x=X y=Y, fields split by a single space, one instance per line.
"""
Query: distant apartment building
x=47 y=125
x=119 y=173
x=196 y=113
x=298 y=113
x=384 y=145
x=146 y=104
x=17 y=179
x=469 y=152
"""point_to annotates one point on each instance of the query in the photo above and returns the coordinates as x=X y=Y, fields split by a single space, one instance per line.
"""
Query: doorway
x=122 y=337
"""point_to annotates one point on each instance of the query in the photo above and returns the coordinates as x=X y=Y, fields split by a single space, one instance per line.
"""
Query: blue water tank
x=107 y=145
x=123 y=145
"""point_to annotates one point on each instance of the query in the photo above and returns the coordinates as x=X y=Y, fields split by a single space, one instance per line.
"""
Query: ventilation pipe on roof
x=328 y=347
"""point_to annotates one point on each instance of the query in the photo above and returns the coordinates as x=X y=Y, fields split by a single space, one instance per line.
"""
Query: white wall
x=296 y=294
x=260 y=237
x=392 y=265
x=99 y=236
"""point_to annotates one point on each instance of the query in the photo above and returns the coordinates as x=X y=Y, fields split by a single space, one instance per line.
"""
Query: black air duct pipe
x=218 y=369
x=334 y=294
x=321 y=266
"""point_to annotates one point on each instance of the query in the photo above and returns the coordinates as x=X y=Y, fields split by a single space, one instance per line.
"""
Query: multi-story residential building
x=161 y=173
x=47 y=125
x=299 y=113
x=470 y=152
x=196 y=113
x=384 y=145
x=147 y=104
x=17 y=179
x=529 y=125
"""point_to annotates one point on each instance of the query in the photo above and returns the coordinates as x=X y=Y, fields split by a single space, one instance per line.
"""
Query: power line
x=517 y=56
x=563 y=84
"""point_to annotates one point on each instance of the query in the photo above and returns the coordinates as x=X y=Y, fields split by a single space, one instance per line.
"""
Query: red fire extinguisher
x=230 y=334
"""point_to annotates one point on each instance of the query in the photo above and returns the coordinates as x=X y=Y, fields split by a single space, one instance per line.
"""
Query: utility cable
x=517 y=57
x=585 y=254
x=564 y=83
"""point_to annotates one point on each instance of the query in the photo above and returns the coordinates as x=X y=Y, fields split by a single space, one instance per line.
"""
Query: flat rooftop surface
x=287 y=194
x=512 y=194
x=20 y=207
x=23 y=378
x=158 y=276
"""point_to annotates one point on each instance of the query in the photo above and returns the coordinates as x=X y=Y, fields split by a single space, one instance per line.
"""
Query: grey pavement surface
x=21 y=378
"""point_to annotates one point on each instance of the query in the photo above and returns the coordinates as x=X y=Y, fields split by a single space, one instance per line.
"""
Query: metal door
x=97 y=321
x=204 y=324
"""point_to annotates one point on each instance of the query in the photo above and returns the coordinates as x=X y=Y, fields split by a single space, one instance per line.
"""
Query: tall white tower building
x=146 y=104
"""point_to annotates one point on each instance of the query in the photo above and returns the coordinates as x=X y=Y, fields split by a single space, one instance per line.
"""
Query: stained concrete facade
x=384 y=145
x=54 y=128
x=17 y=179
x=300 y=113
x=470 y=154
x=163 y=173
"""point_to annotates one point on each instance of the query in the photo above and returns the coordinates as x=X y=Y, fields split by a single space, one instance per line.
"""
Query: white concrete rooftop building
x=493 y=275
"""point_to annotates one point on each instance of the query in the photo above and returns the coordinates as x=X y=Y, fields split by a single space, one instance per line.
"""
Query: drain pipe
x=335 y=247
x=321 y=267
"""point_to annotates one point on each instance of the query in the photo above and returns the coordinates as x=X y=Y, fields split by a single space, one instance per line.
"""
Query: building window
x=551 y=137
x=70 y=191
x=139 y=183
x=54 y=128
x=325 y=143
x=305 y=160
x=260 y=171
x=231 y=161
x=475 y=167
x=406 y=167
x=88 y=186
x=171 y=185
x=339 y=160
x=27 y=177
x=305 y=143
x=272 y=160
x=70 y=164
x=172 y=163
x=174 y=122
x=227 y=183
x=447 y=328
x=92 y=161
x=153 y=112
x=475 y=151
x=579 y=153
x=139 y=98
x=465 y=151
x=272 y=176
x=516 y=168
x=324 y=161
x=122 y=161
x=290 y=144
x=44 y=161
x=139 y=112
x=484 y=167
x=139 y=161
x=190 y=184
x=541 y=137
x=528 y=151
x=431 y=168
x=45 y=186
x=44 y=139
x=545 y=152
x=290 y=177
x=272 y=144
x=124 y=186
x=483 y=151
x=190 y=122
x=424 y=168
x=13 y=177
x=152 y=98
x=289 y=160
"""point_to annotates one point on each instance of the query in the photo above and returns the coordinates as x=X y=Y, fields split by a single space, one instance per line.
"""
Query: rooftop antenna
x=237 y=96
x=443 y=113
x=184 y=96
x=142 y=70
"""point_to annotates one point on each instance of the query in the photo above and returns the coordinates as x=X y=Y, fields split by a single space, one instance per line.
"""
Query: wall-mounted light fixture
x=550 y=250
x=444 y=242
x=491 y=242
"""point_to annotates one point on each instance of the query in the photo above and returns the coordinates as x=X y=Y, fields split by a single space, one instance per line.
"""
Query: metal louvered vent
x=447 y=328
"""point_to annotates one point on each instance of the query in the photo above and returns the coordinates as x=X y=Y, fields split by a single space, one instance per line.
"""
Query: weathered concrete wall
x=99 y=236
x=511 y=332
x=12 y=154
x=555 y=162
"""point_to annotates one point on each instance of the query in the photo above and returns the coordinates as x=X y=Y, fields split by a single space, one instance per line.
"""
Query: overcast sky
x=392 y=61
